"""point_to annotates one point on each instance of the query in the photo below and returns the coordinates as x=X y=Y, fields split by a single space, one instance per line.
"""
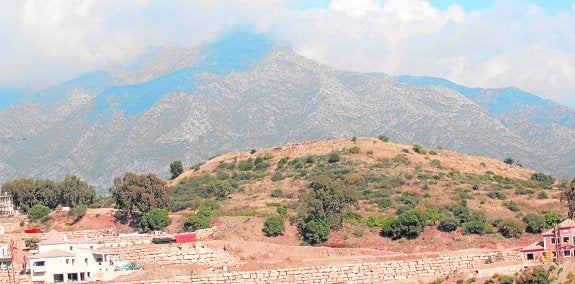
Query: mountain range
x=246 y=91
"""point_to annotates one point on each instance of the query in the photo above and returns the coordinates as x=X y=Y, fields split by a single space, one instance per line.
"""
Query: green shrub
x=542 y=195
x=408 y=224
x=506 y=279
x=333 y=158
x=246 y=165
x=384 y=203
x=282 y=210
x=541 y=177
x=511 y=206
x=354 y=150
x=39 y=213
x=538 y=275
x=196 y=222
x=373 y=221
x=448 y=223
x=534 y=223
x=510 y=228
x=474 y=226
x=497 y=195
x=383 y=138
x=155 y=219
x=315 y=231
x=353 y=139
x=436 y=163
x=418 y=149
x=276 y=193
x=207 y=207
x=274 y=226
x=358 y=232
x=552 y=219
x=78 y=211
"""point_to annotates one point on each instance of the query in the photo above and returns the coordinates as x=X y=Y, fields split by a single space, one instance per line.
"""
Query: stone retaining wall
x=371 y=272
x=185 y=253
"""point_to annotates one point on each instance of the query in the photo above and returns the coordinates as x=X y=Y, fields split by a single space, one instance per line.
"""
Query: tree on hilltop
x=140 y=193
x=176 y=168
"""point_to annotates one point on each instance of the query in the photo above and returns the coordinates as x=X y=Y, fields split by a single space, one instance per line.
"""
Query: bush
x=39 y=213
x=510 y=228
x=448 y=223
x=196 y=222
x=353 y=139
x=474 y=226
x=78 y=211
x=282 y=210
x=246 y=165
x=552 y=219
x=506 y=279
x=541 y=177
x=155 y=219
x=408 y=224
x=509 y=161
x=383 y=138
x=534 y=223
x=206 y=208
x=276 y=193
x=511 y=206
x=354 y=150
x=176 y=169
x=542 y=195
x=537 y=275
x=333 y=158
x=315 y=231
x=384 y=203
x=274 y=226
x=418 y=149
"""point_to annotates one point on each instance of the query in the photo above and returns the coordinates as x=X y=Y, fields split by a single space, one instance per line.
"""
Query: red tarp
x=32 y=231
x=186 y=238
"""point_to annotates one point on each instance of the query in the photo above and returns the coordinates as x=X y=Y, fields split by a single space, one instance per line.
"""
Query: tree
x=176 y=168
x=69 y=192
x=535 y=223
x=155 y=219
x=274 y=226
x=38 y=213
x=140 y=193
x=510 y=228
x=568 y=196
x=78 y=211
x=448 y=223
x=73 y=191
x=196 y=222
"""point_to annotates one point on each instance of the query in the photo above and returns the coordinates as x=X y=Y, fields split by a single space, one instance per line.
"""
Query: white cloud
x=511 y=44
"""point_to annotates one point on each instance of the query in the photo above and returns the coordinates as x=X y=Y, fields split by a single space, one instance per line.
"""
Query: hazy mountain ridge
x=270 y=96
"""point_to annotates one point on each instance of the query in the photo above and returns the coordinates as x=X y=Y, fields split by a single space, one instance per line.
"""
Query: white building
x=60 y=259
x=5 y=257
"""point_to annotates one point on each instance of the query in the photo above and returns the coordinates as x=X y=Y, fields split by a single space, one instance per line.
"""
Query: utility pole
x=558 y=254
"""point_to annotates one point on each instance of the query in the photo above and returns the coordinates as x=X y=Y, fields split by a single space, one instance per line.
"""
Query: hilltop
x=245 y=90
x=388 y=177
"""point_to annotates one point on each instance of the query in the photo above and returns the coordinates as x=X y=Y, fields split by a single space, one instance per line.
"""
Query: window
x=530 y=256
x=58 y=278
x=39 y=263
x=552 y=240
x=67 y=261
x=86 y=260
x=71 y=247
x=73 y=261
x=73 y=276
x=566 y=239
x=554 y=254
x=567 y=253
x=92 y=247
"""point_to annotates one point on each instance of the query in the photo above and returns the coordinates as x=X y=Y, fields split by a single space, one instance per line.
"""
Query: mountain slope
x=244 y=91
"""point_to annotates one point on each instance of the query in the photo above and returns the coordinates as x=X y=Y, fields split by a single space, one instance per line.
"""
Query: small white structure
x=6 y=205
x=60 y=259
x=5 y=257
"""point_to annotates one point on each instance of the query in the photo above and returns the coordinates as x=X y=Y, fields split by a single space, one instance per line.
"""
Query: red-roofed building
x=564 y=242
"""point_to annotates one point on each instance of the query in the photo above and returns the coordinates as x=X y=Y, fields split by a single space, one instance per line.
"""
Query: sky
x=529 y=44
